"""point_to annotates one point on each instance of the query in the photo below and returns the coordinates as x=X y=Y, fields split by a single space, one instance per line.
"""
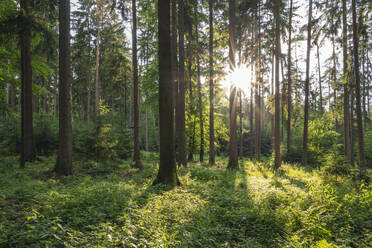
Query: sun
x=240 y=77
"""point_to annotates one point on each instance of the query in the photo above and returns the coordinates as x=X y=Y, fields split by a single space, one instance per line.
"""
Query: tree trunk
x=136 y=154
x=64 y=159
x=167 y=168
x=240 y=126
x=320 y=81
x=28 y=151
x=147 y=130
x=277 y=161
x=180 y=108
x=306 y=110
x=211 y=90
x=362 y=159
x=174 y=53
x=347 y=152
x=200 y=102
x=233 y=149
x=289 y=93
x=99 y=16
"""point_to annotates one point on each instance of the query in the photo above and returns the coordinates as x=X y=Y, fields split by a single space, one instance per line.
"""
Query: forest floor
x=113 y=205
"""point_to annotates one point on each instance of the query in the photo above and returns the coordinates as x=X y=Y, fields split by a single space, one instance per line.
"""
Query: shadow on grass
x=230 y=218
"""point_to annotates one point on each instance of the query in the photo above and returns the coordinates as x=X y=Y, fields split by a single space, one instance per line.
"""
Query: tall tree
x=200 y=100
x=27 y=151
x=277 y=161
x=64 y=159
x=347 y=144
x=289 y=75
x=233 y=149
x=180 y=108
x=362 y=158
x=99 y=10
x=167 y=167
x=211 y=87
x=136 y=155
x=306 y=110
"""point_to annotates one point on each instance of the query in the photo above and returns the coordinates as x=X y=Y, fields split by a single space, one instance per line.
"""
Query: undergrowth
x=113 y=205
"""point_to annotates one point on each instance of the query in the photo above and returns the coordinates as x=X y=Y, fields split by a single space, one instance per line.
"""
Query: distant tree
x=64 y=159
x=136 y=154
x=362 y=158
x=233 y=149
x=289 y=75
x=306 y=117
x=211 y=87
x=27 y=149
x=277 y=161
x=167 y=167
x=180 y=108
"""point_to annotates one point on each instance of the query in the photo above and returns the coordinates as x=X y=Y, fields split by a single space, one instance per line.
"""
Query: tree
x=277 y=161
x=27 y=151
x=211 y=90
x=306 y=110
x=167 y=167
x=347 y=142
x=99 y=9
x=233 y=149
x=136 y=155
x=362 y=158
x=64 y=159
x=180 y=108
x=289 y=96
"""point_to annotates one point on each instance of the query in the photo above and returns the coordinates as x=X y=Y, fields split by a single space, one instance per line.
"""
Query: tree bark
x=347 y=152
x=27 y=139
x=289 y=93
x=277 y=161
x=362 y=159
x=180 y=108
x=320 y=81
x=167 y=168
x=99 y=17
x=211 y=87
x=64 y=159
x=306 y=110
x=136 y=155
x=233 y=149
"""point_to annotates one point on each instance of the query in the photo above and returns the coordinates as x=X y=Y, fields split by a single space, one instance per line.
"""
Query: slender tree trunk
x=347 y=152
x=147 y=130
x=233 y=149
x=289 y=93
x=251 y=153
x=277 y=162
x=99 y=16
x=64 y=159
x=306 y=118
x=320 y=81
x=256 y=93
x=272 y=95
x=167 y=168
x=240 y=126
x=180 y=109
x=136 y=155
x=211 y=87
x=352 y=126
x=89 y=76
x=362 y=159
x=28 y=151
x=334 y=81
x=174 y=54
x=200 y=102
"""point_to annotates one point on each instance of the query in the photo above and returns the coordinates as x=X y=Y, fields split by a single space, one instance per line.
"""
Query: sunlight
x=240 y=77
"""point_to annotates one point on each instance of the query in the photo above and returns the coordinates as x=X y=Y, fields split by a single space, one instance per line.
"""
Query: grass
x=113 y=205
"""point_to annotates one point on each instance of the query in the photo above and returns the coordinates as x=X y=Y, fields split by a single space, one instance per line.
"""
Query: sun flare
x=239 y=77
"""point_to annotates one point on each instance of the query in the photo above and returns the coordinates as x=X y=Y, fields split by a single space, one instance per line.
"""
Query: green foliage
x=114 y=206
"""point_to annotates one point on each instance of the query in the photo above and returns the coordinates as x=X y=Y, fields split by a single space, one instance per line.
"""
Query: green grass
x=113 y=205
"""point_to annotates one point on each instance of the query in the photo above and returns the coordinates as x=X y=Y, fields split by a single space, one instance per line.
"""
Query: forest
x=186 y=123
